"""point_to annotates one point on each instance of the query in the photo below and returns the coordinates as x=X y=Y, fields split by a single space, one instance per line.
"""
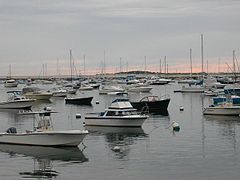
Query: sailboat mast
x=218 y=65
x=165 y=65
x=234 y=66
x=145 y=64
x=10 y=71
x=71 y=68
x=120 y=65
x=84 y=70
x=190 y=62
x=104 y=62
x=160 y=66
x=202 y=54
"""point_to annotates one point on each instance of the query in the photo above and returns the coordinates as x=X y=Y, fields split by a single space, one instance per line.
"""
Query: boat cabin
x=15 y=95
x=150 y=99
x=120 y=107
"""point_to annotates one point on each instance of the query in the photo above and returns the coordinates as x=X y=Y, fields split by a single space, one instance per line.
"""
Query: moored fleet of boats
x=122 y=112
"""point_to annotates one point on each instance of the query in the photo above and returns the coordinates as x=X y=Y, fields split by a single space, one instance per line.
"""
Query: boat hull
x=51 y=138
x=79 y=101
x=140 y=89
x=193 y=90
x=18 y=104
x=115 y=121
x=46 y=96
x=155 y=107
x=11 y=85
x=224 y=111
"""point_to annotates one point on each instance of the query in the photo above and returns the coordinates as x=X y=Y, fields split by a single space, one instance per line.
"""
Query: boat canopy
x=15 y=92
x=121 y=104
x=150 y=99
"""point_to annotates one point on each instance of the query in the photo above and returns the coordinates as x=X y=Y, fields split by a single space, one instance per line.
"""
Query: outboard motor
x=11 y=130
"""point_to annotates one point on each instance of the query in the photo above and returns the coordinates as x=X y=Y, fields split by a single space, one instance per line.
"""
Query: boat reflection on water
x=43 y=158
x=119 y=139
x=222 y=119
x=115 y=130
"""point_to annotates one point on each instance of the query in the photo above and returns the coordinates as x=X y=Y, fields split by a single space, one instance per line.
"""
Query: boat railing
x=96 y=114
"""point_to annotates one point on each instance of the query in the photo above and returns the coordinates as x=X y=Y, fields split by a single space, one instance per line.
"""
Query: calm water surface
x=206 y=147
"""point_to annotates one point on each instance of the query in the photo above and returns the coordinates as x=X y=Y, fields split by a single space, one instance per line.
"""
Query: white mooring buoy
x=78 y=115
x=181 y=108
x=116 y=148
x=175 y=126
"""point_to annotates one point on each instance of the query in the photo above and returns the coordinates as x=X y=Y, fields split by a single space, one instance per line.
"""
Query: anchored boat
x=120 y=113
x=42 y=133
x=16 y=101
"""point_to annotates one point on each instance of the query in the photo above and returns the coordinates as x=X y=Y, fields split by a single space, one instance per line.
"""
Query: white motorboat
x=212 y=83
x=139 y=88
x=43 y=133
x=85 y=87
x=10 y=83
x=120 y=113
x=225 y=109
x=36 y=93
x=193 y=89
x=16 y=101
x=110 y=89
x=59 y=93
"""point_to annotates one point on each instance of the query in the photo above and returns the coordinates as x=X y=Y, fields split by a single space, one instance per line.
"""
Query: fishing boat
x=42 y=133
x=79 y=100
x=16 y=101
x=152 y=104
x=226 y=109
x=120 y=114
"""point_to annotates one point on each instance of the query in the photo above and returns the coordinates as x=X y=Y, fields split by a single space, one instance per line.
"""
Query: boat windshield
x=121 y=113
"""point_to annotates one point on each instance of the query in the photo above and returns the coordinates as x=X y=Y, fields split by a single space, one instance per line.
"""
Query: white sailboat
x=9 y=83
x=195 y=89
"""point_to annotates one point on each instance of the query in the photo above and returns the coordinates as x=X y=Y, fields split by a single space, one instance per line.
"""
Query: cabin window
x=110 y=113
x=119 y=113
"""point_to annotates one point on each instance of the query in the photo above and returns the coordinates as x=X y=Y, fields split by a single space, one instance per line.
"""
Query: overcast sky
x=36 y=32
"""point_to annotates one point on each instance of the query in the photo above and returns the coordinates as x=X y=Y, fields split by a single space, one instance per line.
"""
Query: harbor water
x=205 y=148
